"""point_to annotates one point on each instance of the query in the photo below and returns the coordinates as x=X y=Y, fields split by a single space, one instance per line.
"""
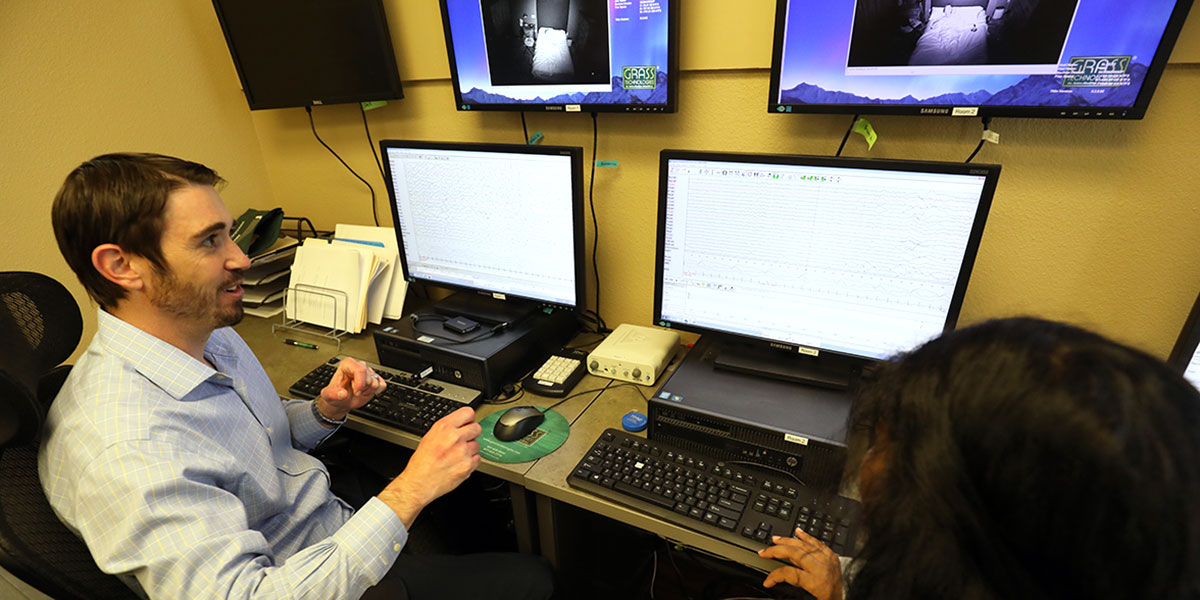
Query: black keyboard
x=409 y=402
x=738 y=504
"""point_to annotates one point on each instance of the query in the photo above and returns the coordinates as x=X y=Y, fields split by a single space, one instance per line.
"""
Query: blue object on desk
x=634 y=421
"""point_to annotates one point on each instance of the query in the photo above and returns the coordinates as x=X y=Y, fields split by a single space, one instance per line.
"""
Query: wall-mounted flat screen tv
x=291 y=53
x=1098 y=59
x=563 y=55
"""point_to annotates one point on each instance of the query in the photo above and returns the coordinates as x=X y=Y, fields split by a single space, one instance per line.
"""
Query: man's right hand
x=446 y=456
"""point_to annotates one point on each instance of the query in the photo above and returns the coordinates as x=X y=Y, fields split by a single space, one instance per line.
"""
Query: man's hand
x=818 y=570
x=352 y=385
x=446 y=456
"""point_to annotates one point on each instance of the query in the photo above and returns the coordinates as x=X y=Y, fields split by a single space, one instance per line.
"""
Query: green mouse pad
x=541 y=441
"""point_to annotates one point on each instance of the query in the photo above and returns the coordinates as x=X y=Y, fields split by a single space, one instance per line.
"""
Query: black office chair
x=40 y=326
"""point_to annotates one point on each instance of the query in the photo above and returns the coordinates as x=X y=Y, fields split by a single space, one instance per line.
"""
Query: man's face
x=201 y=285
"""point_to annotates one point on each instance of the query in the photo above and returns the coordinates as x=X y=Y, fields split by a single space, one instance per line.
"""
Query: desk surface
x=589 y=415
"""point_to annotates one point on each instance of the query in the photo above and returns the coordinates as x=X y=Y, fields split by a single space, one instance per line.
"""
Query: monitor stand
x=485 y=309
x=827 y=371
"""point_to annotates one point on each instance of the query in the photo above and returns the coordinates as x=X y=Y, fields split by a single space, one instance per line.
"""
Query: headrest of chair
x=46 y=314
x=40 y=326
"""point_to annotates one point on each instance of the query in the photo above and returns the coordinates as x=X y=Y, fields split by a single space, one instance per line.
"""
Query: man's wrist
x=324 y=420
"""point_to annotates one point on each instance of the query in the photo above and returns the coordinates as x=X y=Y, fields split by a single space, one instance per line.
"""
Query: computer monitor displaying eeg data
x=501 y=220
x=1098 y=59
x=563 y=55
x=857 y=257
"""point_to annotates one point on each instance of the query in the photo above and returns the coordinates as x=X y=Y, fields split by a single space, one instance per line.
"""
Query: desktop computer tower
x=487 y=364
x=795 y=429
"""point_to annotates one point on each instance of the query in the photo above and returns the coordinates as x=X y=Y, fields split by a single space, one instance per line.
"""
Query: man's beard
x=174 y=297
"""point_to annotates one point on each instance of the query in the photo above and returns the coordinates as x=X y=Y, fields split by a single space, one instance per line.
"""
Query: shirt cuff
x=306 y=431
x=374 y=537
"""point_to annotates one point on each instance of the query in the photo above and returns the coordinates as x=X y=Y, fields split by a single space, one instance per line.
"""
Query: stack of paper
x=344 y=284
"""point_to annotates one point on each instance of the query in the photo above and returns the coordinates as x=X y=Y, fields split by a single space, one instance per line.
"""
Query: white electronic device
x=634 y=353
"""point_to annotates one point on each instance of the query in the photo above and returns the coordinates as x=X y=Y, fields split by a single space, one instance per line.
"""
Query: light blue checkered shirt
x=197 y=482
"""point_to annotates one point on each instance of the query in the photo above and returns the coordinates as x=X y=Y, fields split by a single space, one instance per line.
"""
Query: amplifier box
x=486 y=364
x=634 y=353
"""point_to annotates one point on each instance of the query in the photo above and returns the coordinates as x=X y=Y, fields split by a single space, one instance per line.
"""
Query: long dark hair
x=1029 y=459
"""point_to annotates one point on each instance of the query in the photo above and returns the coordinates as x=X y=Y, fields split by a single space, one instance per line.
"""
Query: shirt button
x=283 y=466
x=396 y=547
x=269 y=430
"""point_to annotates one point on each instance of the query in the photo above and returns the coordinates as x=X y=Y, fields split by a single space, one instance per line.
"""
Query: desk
x=535 y=486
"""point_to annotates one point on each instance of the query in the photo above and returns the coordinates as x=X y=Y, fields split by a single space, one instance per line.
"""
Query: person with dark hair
x=168 y=451
x=1020 y=458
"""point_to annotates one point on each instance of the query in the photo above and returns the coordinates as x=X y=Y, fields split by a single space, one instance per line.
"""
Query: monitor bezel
x=990 y=171
x=575 y=153
x=1137 y=111
x=1188 y=340
x=395 y=90
x=671 y=105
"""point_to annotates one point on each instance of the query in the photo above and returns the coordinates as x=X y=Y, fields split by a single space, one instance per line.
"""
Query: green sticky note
x=535 y=138
x=863 y=128
x=611 y=164
x=373 y=104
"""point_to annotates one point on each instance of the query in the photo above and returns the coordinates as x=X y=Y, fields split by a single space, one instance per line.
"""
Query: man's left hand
x=352 y=385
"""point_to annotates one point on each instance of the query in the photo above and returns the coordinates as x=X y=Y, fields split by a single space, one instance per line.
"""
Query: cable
x=374 y=214
x=601 y=326
x=849 y=130
x=371 y=142
x=653 y=574
x=986 y=121
x=678 y=573
x=417 y=318
x=524 y=129
x=762 y=466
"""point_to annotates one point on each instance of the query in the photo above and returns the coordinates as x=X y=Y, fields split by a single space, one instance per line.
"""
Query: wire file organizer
x=315 y=310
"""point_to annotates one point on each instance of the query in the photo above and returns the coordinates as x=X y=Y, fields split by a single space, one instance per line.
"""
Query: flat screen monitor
x=1098 y=59
x=291 y=53
x=503 y=223
x=1184 y=357
x=805 y=256
x=563 y=55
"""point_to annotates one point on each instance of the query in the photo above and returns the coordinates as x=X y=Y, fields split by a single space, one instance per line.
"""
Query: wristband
x=324 y=420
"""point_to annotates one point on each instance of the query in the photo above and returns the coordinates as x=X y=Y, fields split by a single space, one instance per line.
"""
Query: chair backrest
x=40 y=326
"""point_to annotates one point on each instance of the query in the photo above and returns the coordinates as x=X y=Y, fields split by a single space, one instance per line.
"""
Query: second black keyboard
x=741 y=505
x=409 y=402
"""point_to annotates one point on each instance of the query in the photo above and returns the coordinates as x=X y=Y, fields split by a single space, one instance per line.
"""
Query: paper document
x=397 y=287
x=330 y=285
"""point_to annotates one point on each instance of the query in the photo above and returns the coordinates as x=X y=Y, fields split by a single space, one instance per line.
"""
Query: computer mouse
x=517 y=422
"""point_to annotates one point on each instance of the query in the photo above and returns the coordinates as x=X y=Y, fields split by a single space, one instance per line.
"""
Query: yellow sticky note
x=863 y=128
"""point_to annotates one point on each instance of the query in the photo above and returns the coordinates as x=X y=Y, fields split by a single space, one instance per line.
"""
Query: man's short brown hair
x=119 y=199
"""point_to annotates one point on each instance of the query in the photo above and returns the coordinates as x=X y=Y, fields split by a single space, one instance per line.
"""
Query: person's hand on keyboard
x=817 y=569
x=352 y=385
x=446 y=456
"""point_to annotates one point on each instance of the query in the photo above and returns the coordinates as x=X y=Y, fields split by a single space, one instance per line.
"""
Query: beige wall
x=1093 y=222
x=81 y=78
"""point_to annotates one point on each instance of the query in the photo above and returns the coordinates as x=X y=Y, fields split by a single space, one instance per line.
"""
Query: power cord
x=849 y=130
x=374 y=152
x=601 y=326
x=986 y=121
x=486 y=333
x=524 y=129
x=374 y=213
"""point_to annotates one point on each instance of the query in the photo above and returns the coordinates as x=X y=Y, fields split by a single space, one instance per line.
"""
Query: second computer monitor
x=816 y=255
x=501 y=222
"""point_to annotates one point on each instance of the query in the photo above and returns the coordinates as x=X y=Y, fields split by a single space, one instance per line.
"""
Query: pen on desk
x=301 y=344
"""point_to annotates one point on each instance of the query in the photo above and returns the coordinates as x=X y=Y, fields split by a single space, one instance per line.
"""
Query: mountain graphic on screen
x=1034 y=90
x=618 y=95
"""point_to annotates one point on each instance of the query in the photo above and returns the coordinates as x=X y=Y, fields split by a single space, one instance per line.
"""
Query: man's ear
x=119 y=267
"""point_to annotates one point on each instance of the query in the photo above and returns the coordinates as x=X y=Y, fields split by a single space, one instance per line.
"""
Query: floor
x=12 y=588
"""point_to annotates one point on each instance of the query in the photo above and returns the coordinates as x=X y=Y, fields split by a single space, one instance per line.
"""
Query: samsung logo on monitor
x=783 y=346
x=935 y=111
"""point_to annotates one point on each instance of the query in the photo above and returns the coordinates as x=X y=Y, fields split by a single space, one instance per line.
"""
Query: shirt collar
x=168 y=367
